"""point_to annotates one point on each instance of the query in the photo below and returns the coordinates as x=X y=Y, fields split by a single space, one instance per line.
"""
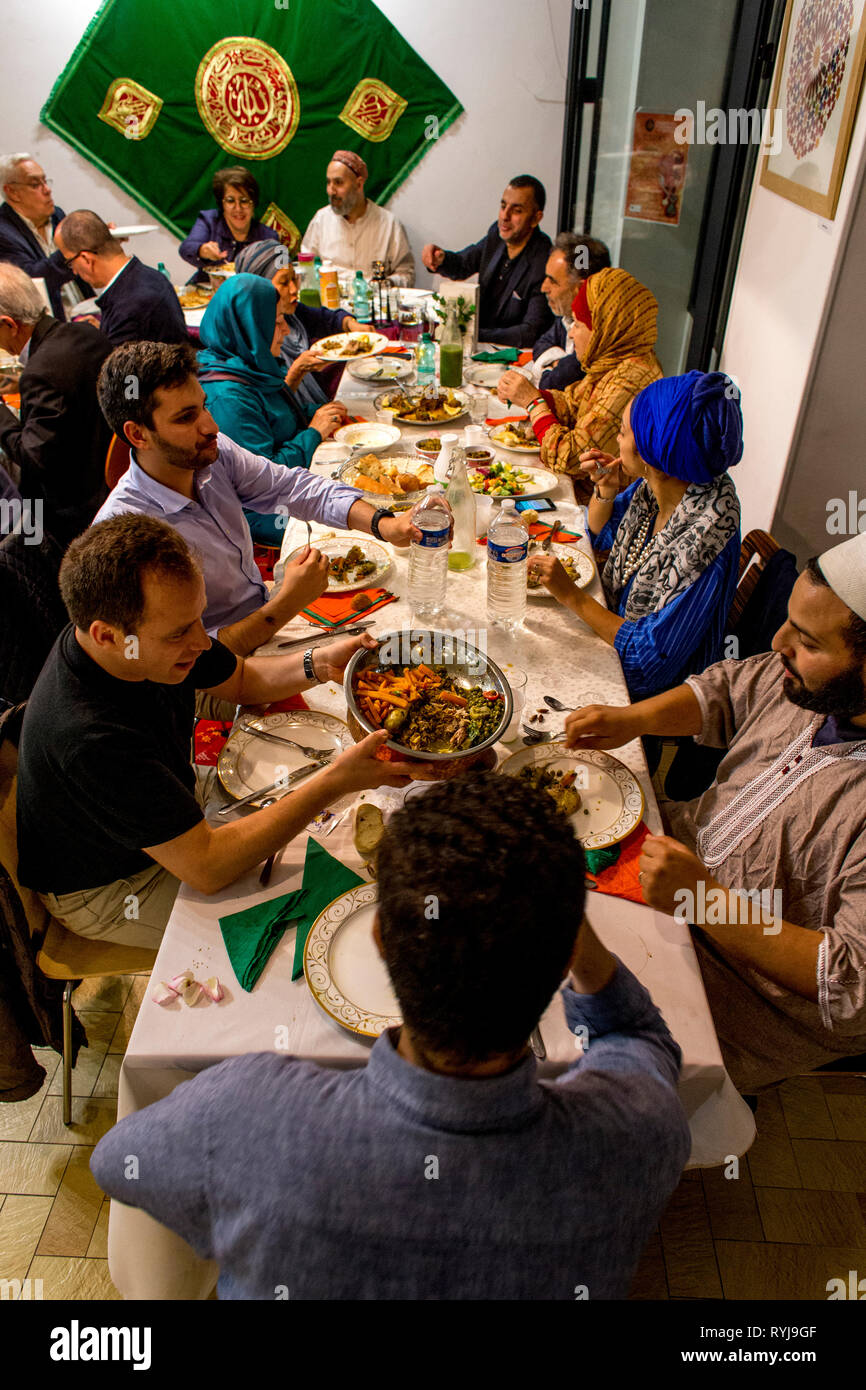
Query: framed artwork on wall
x=816 y=88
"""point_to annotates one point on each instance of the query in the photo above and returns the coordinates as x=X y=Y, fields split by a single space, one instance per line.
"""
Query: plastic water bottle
x=461 y=500
x=361 y=298
x=428 y=558
x=425 y=359
x=507 y=549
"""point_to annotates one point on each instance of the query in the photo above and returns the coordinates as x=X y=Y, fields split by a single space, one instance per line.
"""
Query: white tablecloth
x=562 y=657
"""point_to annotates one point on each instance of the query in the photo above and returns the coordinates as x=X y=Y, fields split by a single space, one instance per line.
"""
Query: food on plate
x=194 y=296
x=389 y=477
x=517 y=435
x=425 y=709
x=353 y=565
x=499 y=480
x=533 y=579
x=558 y=784
x=420 y=408
x=479 y=455
x=429 y=446
x=355 y=345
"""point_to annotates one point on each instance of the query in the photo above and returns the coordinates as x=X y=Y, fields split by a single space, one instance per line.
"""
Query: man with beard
x=784 y=822
x=352 y=231
x=185 y=472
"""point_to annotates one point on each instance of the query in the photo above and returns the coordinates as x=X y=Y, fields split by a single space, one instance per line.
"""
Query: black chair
x=31 y=611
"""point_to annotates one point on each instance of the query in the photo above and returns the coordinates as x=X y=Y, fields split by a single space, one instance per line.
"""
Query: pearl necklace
x=634 y=556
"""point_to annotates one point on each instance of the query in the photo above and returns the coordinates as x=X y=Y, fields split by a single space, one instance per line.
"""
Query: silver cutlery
x=247 y=726
x=531 y=736
x=264 y=876
x=536 y=1042
x=281 y=785
x=558 y=705
x=341 y=631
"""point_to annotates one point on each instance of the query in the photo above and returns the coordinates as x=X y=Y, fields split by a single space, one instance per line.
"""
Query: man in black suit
x=28 y=218
x=61 y=439
x=510 y=262
x=137 y=303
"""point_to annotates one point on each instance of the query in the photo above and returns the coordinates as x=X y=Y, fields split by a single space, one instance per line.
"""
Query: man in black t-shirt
x=108 y=823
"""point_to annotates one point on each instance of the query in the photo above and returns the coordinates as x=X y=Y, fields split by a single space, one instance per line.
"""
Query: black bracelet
x=309 y=670
x=376 y=519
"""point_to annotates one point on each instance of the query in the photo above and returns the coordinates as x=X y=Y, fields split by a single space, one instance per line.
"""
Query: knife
x=281 y=785
x=341 y=631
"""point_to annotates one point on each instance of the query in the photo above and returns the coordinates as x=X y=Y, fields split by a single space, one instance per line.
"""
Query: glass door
x=670 y=210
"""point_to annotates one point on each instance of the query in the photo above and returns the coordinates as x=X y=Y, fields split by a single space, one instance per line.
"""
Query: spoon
x=558 y=705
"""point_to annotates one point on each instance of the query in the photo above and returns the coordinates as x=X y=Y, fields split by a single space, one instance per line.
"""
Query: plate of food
x=447 y=711
x=426 y=406
x=484 y=373
x=602 y=797
x=344 y=972
x=368 y=434
x=381 y=369
x=502 y=479
x=401 y=477
x=353 y=564
x=248 y=760
x=343 y=347
x=517 y=436
x=194 y=296
x=577 y=565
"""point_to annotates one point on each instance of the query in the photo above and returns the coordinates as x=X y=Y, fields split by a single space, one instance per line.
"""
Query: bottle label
x=433 y=540
x=507 y=554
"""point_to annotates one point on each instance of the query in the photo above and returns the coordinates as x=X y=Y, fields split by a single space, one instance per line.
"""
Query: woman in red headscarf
x=614 y=333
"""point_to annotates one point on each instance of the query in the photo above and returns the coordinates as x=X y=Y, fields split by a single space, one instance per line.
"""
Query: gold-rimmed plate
x=344 y=347
x=343 y=969
x=248 y=761
x=583 y=566
x=611 y=797
x=374 y=553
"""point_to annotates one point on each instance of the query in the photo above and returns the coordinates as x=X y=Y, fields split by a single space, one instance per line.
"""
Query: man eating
x=510 y=261
x=769 y=864
x=183 y=470
x=108 y=822
x=353 y=231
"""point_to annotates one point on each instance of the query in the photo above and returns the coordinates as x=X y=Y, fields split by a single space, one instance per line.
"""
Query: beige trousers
x=132 y=911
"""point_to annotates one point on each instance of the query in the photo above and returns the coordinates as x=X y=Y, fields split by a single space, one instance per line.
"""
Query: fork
x=247 y=726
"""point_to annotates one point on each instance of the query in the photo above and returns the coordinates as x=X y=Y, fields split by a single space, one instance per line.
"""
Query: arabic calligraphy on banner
x=247 y=98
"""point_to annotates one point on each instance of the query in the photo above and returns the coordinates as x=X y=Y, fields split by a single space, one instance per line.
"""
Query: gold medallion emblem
x=373 y=109
x=130 y=108
x=289 y=235
x=247 y=98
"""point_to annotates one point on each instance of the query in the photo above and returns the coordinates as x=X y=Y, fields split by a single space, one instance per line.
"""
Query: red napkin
x=621 y=879
x=208 y=740
x=266 y=557
x=330 y=611
x=290 y=702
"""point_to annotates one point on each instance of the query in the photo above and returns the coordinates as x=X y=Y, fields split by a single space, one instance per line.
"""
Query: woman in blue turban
x=668 y=512
x=244 y=381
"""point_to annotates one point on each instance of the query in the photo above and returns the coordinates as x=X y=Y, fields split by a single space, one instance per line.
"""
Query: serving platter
x=582 y=563
x=248 y=761
x=343 y=969
x=338 y=353
x=372 y=551
x=539 y=483
x=611 y=797
x=414 y=395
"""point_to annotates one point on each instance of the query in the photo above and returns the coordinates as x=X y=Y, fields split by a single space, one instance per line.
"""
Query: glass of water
x=479 y=400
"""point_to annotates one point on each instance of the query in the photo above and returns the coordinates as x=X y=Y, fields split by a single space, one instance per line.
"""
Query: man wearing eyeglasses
x=28 y=217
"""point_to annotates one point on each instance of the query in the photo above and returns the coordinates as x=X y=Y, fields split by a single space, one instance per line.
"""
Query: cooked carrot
x=424 y=670
x=393 y=700
x=451 y=699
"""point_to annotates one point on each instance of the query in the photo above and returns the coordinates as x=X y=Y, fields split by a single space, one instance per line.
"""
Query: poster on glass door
x=658 y=170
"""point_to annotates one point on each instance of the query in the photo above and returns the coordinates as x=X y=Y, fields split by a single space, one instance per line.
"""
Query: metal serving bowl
x=409 y=648
x=399 y=500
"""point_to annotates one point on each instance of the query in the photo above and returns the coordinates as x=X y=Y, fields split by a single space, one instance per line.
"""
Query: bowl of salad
x=499 y=479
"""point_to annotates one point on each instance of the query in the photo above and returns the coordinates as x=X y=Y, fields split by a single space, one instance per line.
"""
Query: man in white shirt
x=352 y=231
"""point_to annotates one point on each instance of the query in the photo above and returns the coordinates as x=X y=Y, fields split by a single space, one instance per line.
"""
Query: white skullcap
x=844 y=568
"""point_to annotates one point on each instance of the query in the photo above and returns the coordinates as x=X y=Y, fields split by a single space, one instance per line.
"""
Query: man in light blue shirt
x=443 y=1169
x=185 y=472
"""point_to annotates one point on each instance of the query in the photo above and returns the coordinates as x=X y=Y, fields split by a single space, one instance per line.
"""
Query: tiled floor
x=793 y=1219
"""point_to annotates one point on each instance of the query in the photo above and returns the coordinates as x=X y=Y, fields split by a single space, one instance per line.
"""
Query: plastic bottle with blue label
x=425 y=359
x=507 y=551
x=428 y=558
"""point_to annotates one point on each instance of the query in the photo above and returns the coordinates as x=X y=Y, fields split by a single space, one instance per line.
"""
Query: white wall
x=785 y=272
x=505 y=59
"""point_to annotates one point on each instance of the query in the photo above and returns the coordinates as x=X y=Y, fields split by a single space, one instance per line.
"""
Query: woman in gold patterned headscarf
x=614 y=333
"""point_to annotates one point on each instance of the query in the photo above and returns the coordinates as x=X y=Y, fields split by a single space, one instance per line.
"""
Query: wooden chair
x=62 y=954
x=116 y=460
x=756 y=543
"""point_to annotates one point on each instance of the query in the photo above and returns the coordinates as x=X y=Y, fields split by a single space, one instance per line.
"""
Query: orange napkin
x=13 y=401
x=524 y=357
x=539 y=528
x=330 y=611
x=505 y=420
x=620 y=879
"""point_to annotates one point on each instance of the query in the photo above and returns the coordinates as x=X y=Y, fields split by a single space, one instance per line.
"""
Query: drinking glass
x=479 y=401
x=517 y=681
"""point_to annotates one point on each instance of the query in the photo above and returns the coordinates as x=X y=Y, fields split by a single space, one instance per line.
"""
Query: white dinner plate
x=372 y=551
x=484 y=374
x=248 y=761
x=339 y=354
x=611 y=797
x=582 y=563
x=345 y=973
x=370 y=435
x=493 y=434
x=538 y=484
x=388 y=368
x=138 y=230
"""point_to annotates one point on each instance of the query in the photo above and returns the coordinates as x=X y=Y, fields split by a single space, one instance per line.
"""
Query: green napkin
x=502 y=355
x=325 y=878
x=597 y=860
x=250 y=936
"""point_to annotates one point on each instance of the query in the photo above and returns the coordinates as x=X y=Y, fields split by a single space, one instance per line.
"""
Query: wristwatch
x=377 y=517
x=309 y=672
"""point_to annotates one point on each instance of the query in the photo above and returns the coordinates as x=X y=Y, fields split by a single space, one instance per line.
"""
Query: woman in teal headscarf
x=244 y=377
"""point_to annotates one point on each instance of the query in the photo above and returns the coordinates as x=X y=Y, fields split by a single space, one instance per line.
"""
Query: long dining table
x=561 y=657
